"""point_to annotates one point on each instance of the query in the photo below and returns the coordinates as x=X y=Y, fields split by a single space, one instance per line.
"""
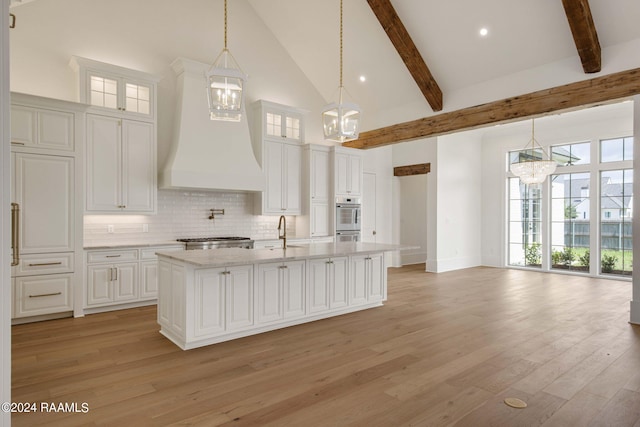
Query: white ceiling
x=523 y=35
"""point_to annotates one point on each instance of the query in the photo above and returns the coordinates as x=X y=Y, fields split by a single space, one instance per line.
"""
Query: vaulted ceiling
x=524 y=38
x=523 y=35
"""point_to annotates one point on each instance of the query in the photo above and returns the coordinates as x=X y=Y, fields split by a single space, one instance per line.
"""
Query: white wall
x=459 y=196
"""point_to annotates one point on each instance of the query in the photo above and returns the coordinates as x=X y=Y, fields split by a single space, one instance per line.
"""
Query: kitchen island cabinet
x=201 y=301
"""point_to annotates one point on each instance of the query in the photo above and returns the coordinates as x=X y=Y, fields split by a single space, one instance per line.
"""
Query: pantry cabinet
x=317 y=195
x=121 y=165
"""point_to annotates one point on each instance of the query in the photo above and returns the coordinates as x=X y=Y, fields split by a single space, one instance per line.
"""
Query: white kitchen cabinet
x=368 y=279
x=46 y=169
x=42 y=128
x=282 y=165
x=42 y=295
x=44 y=189
x=112 y=283
x=280 y=291
x=279 y=122
x=224 y=300
x=328 y=279
x=115 y=90
x=122 y=277
x=121 y=165
x=317 y=194
x=347 y=168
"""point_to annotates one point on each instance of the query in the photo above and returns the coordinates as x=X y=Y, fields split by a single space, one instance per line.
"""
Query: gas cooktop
x=213 y=239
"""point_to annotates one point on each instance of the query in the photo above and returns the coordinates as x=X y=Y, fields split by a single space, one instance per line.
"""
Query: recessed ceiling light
x=484 y=31
x=363 y=78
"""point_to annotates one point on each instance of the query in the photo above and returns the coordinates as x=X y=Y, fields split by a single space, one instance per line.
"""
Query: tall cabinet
x=278 y=138
x=46 y=196
x=121 y=172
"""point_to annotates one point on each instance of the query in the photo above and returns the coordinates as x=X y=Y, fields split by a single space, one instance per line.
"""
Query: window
x=525 y=236
x=572 y=154
x=570 y=221
x=586 y=223
x=616 y=250
x=616 y=150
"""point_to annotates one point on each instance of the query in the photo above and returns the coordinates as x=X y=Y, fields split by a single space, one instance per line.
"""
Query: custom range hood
x=207 y=154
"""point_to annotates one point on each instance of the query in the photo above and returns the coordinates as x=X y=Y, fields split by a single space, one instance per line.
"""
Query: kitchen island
x=215 y=295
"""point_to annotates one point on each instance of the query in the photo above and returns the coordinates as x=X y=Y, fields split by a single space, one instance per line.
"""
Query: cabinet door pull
x=114 y=256
x=226 y=272
x=329 y=262
x=15 y=233
x=45 y=295
x=45 y=263
x=115 y=270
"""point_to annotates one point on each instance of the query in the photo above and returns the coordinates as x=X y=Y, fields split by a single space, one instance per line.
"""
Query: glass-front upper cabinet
x=281 y=121
x=115 y=89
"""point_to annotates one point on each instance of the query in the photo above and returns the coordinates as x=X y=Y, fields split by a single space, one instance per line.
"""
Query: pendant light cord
x=341 y=45
x=225 y=25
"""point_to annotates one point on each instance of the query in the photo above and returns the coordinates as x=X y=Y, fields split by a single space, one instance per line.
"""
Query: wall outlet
x=145 y=228
x=109 y=228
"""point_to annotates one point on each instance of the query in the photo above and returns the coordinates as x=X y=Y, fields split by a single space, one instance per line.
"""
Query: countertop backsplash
x=183 y=213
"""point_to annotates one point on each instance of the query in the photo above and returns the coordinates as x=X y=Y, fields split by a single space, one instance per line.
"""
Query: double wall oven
x=348 y=219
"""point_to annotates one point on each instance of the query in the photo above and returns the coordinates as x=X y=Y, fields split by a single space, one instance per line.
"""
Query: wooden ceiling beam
x=397 y=33
x=418 y=169
x=560 y=98
x=584 y=33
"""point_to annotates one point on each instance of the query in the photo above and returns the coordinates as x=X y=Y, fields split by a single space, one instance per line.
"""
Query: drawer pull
x=45 y=263
x=17 y=143
x=114 y=256
x=45 y=295
x=283 y=267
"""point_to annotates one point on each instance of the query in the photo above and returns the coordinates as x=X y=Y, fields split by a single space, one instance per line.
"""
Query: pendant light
x=341 y=120
x=225 y=82
x=537 y=164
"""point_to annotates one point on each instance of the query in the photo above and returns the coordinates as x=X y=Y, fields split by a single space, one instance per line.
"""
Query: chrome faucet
x=284 y=235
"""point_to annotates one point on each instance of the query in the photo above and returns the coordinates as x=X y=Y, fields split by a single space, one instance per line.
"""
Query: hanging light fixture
x=537 y=164
x=341 y=120
x=225 y=82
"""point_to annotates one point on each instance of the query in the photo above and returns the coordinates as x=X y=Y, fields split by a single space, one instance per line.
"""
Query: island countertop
x=224 y=257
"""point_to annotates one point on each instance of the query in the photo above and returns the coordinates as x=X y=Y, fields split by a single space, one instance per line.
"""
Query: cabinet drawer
x=32 y=264
x=150 y=253
x=112 y=256
x=38 y=295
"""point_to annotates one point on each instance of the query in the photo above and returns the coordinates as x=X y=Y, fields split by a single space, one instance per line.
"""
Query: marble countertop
x=126 y=244
x=225 y=257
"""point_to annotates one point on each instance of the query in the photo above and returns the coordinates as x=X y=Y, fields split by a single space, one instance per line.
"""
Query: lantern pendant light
x=341 y=120
x=534 y=169
x=225 y=81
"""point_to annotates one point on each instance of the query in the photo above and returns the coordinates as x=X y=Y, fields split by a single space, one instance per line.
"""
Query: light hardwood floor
x=446 y=349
